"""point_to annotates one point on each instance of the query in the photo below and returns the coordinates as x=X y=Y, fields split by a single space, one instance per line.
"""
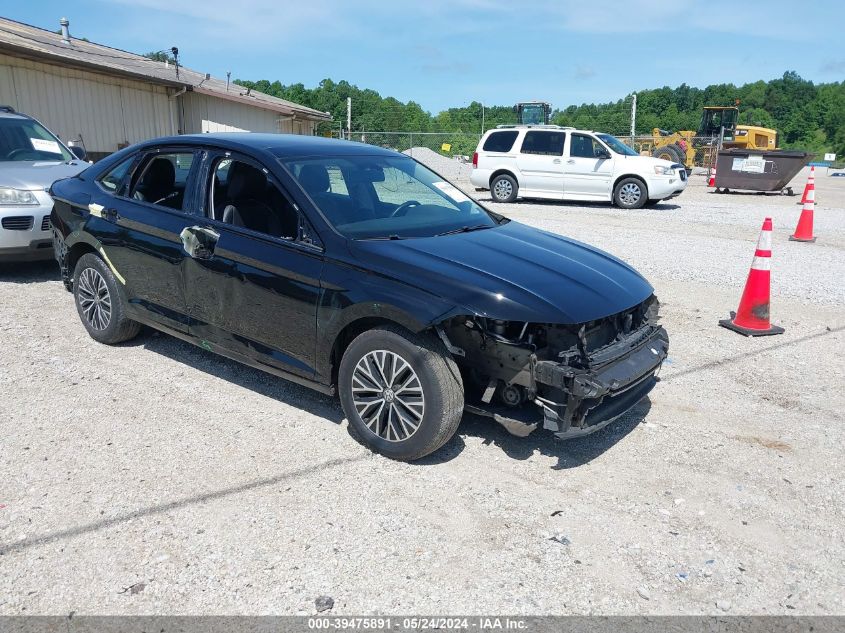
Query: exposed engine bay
x=575 y=378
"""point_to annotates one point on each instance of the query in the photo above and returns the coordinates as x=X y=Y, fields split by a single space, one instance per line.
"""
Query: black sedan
x=357 y=271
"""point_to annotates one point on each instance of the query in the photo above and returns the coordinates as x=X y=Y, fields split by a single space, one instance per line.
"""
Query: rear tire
x=504 y=188
x=99 y=303
x=401 y=392
x=630 y=193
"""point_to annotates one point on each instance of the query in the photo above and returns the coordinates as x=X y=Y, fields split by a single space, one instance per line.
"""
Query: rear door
x=137 y=213
x=253 y=286
x=587 y=173
x=540 y=163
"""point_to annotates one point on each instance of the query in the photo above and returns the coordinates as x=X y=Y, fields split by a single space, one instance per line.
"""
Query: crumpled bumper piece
x=621 y=375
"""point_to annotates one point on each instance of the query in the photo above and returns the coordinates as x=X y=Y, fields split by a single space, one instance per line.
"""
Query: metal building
x=111 y=98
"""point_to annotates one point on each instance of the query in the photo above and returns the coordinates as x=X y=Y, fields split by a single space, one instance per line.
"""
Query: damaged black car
x=359 y=272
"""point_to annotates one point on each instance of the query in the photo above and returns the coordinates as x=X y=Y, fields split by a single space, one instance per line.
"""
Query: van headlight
x=663 y=171
x=16 y=197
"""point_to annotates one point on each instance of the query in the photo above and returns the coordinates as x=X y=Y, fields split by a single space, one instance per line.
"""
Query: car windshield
x=386 y=197
x=616 y=145
x=27 y=140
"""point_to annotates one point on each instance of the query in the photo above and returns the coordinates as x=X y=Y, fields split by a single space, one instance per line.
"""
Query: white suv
x=560 y=163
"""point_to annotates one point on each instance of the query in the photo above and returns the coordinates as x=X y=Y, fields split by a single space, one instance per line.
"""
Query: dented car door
x=252 y=285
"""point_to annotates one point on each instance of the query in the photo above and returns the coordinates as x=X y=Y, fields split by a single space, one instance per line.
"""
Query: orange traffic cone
x=811 y=184
x=752 y=316
x=712 y=181
x=804 y=230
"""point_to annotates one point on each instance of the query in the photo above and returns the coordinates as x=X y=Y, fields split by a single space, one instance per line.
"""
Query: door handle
x=556 y=161
x=571 y=161
x=199 y=241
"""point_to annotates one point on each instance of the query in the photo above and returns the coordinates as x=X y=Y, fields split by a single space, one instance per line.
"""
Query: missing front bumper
x=621 y=375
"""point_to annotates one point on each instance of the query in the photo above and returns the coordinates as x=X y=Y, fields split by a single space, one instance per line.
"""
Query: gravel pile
x=450 y=168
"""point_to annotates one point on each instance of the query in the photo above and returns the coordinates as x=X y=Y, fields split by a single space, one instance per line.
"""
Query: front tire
x=630 y=193
x=672 y=153
x=99 y=303
x=504 y=188
x=401 y=392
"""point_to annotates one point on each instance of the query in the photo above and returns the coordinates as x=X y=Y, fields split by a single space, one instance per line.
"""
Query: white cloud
x=584 y=72
x=836 y=67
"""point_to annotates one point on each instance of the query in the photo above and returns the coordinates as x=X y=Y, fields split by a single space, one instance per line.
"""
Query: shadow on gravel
x=569 y=453
x=178 y=504
x=29 y=272
x=255 y=380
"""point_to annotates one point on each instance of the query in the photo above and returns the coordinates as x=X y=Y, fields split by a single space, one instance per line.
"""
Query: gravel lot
x=157 y=478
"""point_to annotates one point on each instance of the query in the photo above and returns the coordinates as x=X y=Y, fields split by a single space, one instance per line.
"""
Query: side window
x=583 y=146
x=500 y=141
x=162 y=179
x=112 y=180
x=242 y=195
x=543 y=143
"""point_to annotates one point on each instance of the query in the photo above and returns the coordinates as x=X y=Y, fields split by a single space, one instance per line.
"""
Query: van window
x=500 y=141
x=543 y=143
x=583 y=146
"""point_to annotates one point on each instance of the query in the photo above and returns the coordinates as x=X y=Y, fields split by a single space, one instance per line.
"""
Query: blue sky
x=443 y=53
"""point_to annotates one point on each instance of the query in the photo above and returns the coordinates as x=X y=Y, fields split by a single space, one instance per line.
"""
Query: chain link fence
x=697 y=151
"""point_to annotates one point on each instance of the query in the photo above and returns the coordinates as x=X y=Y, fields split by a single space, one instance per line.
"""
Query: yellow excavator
x=679 y=147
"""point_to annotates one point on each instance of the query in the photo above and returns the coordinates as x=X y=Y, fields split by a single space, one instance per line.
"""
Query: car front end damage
x=574 y=378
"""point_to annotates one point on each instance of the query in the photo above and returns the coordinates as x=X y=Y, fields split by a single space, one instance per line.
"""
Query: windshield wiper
x=384 y=237
x=465 y=229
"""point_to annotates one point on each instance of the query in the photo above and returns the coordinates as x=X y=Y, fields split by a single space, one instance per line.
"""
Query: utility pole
x=482 y=119
x=633 y=118
x=348 y=118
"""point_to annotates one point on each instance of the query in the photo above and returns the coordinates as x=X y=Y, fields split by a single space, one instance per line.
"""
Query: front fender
x=349 y=296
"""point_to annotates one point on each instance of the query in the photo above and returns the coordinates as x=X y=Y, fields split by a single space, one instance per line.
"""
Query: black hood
x=511 y=272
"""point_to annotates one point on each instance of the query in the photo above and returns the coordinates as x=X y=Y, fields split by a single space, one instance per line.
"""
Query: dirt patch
x=775 y=445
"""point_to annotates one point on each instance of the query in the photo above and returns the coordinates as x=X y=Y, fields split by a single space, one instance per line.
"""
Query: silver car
x=31 y=159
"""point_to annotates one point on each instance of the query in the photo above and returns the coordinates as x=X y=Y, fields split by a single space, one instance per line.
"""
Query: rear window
x=500 y=141
x=543 y=143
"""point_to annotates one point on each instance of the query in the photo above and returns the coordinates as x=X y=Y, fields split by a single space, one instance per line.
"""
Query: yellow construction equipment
x=679 y=147
x=533 y=112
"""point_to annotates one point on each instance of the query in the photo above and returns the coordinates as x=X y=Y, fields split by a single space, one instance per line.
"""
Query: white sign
x=752 y=164
x=453 y=192
x=43 y=145
x=830 y=157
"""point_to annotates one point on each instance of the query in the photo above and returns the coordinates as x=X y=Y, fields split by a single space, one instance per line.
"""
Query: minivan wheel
x=504 y=188
x=401 y=392
x=630 y=193
x=99 y=303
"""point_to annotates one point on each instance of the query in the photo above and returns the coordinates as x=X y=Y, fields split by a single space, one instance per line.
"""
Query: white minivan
x=560 y=163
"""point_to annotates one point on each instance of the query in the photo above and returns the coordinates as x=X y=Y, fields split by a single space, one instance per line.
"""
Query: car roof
x=12 y=115
x=280 y=145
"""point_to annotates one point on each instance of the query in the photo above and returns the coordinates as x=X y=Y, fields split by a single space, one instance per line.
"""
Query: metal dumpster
x=758 y=170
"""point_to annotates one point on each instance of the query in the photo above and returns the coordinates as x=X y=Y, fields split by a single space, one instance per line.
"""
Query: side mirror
x=78 y=151
x=603 y=154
